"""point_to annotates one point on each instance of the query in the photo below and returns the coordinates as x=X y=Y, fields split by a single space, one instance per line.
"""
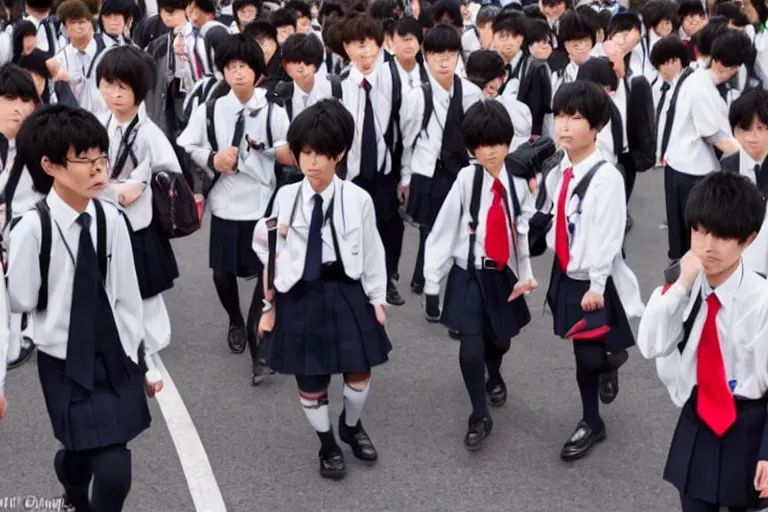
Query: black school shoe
x=478 y=433
x=24 y=355
x=432 y=309
x=393 y=294
x=357 y=438
x=609 y=381
x=581 y=442
x=236 y=338
x=332 y=465
x=260 y=371
x=497 y=393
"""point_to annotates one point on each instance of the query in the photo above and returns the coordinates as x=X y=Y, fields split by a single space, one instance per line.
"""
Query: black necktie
x=81 y=347
x=368 y=151
x=4 y=151
x=664 y=88
x=237 y=138
x=508 y=68
x=723 y=90
x=314 y=260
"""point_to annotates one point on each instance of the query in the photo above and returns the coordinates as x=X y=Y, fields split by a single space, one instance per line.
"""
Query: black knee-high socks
x=418 y=269
x=110 y=469
x=472 y=364
x=589 y=383
x=254 y=315
x=229 y=295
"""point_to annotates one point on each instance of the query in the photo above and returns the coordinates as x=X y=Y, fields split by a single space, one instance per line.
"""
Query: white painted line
x=201 y=481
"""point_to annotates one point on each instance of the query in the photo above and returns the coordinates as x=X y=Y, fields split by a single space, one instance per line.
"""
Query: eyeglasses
x=100 y=161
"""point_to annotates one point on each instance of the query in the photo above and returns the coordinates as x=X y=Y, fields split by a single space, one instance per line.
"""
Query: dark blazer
x=535 y=90
x=641 y=126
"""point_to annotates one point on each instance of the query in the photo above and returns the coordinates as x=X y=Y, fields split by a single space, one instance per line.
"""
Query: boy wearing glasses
x=87 y=309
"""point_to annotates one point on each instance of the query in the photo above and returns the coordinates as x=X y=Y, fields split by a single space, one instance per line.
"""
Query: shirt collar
x=357 y=76
x=728 y=290
x=440 y=93
x=515 y=60
x=308 y=193
x=64 y=214
x=257 y=101
x=748 y=163
x=580 y=169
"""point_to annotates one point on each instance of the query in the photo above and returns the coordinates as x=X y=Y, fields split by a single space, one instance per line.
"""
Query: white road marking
x=201 y=481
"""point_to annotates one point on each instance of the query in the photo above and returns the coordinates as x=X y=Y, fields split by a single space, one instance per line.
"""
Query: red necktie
x=715 y=404
x=496 y=236
x=561 y=232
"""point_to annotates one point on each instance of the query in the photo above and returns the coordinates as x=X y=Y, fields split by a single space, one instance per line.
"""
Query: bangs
x=487 y=123
x=326 y=128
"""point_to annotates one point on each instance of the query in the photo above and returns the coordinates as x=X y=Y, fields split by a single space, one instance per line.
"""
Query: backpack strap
x=583 y=184
x=429 y=108
x=688 y=323
x=101 y=238
x=336 y=91
x=397 y=100
x=100 y=47
x=126 y=144
x=269 y=123
x=284 y=92
x=474 y=209
x=671 y=111
x=210 y=124
x=46 y=230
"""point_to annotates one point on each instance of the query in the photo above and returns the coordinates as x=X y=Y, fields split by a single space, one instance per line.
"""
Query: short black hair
x=124 y=7
x=408 y=26
x=539 y=31
x=326 y=127
x=586 y=98
x=23 y=29
x=243 y=48
x=727 y=205
x=534 y=13
x=52 y=131
x=624 y=22
x=239 y=4
x=305 y=48
x=442 y=38
x=299 y=8
x=382 y=10
x=486 y=14
x=732 y=49
x=282 y=18
x=705 y=38
x=514 y=23
x=16 y=83
x=172 y=5
x=731 y=11
x=656 y=11
x=690 y=8
x=40 y=5
x=260 y=30
x=359 y=27
x=751 y=103
x=447 y=12
x=35 y=62
x=484 y=65
x=669 y=48
x=131 y=66
x=329 y=10
x=599 y=71
x=575 y=27
x=487 y=123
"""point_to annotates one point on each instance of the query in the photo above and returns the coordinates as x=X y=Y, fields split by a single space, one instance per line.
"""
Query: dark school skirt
x=476 y=303
x=231 y=248
x=427 y=195
x=717 y=470
x=84 y=420
x=383 y=191
x=326 y=327
x=564 y=300
x=156 y=267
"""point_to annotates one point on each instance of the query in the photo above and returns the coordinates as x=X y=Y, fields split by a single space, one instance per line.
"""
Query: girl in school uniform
x=434 y=150
x=230 y=137
x=480 y=241
x=87 y=308
x=137 y=150
x=592 y=292
x=327 y=289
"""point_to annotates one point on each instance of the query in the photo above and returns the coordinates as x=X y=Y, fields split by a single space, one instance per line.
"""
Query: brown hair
x=359 y=27
x=73 y=10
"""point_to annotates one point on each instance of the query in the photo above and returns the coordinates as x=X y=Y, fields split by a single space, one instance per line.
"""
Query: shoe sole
x=571 y=458
x=499 y=404
x=21 y=361
x=432 y=319
x=400 y=302
x=370 y=462
x=335 y=475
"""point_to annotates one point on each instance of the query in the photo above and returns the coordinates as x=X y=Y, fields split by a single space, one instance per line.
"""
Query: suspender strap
x=101 y=238
x=688 y=324
x=126 y=147
x=671 y=112
x=474 y=209
x=45 y=252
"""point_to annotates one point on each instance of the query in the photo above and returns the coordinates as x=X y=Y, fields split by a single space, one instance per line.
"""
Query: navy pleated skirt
x=426 y=197
x=717 y=470
x=325 y=327
x=156 y=267
x=231 y=248
x=84 y=420
x=564 y=299
x=476 y=303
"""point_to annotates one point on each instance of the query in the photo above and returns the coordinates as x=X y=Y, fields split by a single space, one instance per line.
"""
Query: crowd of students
x=316 y=132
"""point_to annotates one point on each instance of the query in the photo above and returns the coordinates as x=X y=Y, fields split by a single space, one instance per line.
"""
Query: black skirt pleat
x=231 y=248
x=156 y=267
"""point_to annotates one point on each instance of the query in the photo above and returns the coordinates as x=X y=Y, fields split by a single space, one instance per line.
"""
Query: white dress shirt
x=52 y=325
x=742 y=328
x=755 y=257
x=242 y=195
x=448 y=241
x=598 y=234
x=422 y=150
x=701 y=119
x=197 y=44
x=470 y=42
x=564 y=76
x=8 y=353
x=409 y=79
x=321 y=89
x=522 y=120
x=77 y=64
x=354 y=220
x=513 y=84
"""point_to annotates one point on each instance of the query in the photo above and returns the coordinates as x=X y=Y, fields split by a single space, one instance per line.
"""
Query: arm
x=661 y=327
x=411 y=115
x=438 y=250
x=24 y=264
x=123 y=285
x=527 y=209
x=194 y=138
x=374 y=276
x=280 y=124
x=710 y=118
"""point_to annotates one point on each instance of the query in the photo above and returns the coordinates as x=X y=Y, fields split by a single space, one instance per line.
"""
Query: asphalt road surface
x=220 y=444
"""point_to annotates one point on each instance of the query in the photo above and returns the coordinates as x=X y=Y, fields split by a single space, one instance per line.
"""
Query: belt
x=489 y=264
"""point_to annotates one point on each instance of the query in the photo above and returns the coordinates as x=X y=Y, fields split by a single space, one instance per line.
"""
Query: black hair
x=487 y=123
x=553 y=3
x=727 y=205
x=731 y=11
x=23 y=29
x=442 y=38
x=409 y=26
x=624 y=22
x=656 y=11
x=382 y=10
x=484 y=65
x=534 y=13
x=35 y=62
x=326 y=128
x=239 y=4
x=690 y=8
x=39 y=5
x=732 y=49
x=704 y=38
x=299 y=8
x=447 y=12
x=243 y=48
x=359 y=27
x=591 y=14
x=539 y=31
x=172 y=5
x=305 y=48
x=600 y=71
x=16 y=83
x=513 y=23
x=329 y=10
x=669 y=48
x=124 y=7
x=575 y=27
x=751 y=103
x=260 y=29
x=131 y=66
x=52 y=131
x=282 y=18
x=486 y=14
x=207 y=6
x=586 y=98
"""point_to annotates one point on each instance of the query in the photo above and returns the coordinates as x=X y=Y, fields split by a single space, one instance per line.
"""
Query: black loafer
x=432 y=309
x=417 y=287
x=497 y=393
x=24 y=355
x=357 y=438
x=581 y=442
x=332 y=466
x=259 y=372
x=236 y=338
x=609 y=381
x=477 y=434
x=393 y=295
x=629 y=223
x=454 y=334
